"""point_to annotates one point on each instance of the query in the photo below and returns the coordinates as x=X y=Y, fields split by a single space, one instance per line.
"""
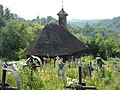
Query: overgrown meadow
x=46 y=78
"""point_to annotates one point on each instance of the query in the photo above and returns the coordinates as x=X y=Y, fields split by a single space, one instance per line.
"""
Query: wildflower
x=75 y=81
x=69 y=83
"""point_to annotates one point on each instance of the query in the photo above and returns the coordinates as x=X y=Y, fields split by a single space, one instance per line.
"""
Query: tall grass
x=46 y=78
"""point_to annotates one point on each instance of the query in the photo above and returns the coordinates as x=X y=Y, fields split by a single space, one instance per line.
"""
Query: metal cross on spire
x=62 y=3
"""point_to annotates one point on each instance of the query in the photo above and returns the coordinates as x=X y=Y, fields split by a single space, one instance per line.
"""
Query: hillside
x=81 y=23
x=110 y=23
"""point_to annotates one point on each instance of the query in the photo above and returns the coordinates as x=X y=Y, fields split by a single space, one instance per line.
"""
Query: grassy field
x=46 y=78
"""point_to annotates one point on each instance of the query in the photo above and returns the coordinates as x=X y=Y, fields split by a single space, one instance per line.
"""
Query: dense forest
x=110 y=23
x=16 y=34
x=100 y=38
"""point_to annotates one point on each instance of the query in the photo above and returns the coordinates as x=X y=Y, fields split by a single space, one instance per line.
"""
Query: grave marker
x=4 y=85
x=80 y=85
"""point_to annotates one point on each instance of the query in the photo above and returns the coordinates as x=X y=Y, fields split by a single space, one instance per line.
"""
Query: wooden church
x=56 y=40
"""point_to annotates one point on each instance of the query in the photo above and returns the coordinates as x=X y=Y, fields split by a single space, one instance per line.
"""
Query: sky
x=76 y=9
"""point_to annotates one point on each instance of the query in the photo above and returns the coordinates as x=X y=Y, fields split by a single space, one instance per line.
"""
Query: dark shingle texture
x=54 y=40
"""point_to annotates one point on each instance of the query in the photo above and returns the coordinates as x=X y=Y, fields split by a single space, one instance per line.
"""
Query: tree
x=16 y=36
x=1 y=11
x=113 y=46
x=101 y=45
x=97 y=46
x=7 y=14
x=43 y=21
x=10 y=38
x=2 y=22
x=87 y=25
x=50 y=19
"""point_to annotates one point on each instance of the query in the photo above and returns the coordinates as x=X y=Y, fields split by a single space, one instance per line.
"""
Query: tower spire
x=63 y=18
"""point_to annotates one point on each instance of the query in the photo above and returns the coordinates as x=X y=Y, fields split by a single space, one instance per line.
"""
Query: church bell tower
x=63 y=18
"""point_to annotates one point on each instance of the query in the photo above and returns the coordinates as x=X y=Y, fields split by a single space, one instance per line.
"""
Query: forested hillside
x=102 y=37
x=110 y=23
x=81 y=23
x=17 y=33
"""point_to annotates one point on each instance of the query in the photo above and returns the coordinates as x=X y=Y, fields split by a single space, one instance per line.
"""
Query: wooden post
x=3 y=79
x=31 y=75
x=80 y=74
x=90 y=69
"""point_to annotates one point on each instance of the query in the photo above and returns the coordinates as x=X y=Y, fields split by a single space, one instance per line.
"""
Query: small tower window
x=62 y=20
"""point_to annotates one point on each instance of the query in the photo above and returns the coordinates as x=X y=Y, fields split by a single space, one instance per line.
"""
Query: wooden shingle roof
x=54 y=40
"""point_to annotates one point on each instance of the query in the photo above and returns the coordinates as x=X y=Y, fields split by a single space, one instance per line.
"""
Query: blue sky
x=76 y=9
